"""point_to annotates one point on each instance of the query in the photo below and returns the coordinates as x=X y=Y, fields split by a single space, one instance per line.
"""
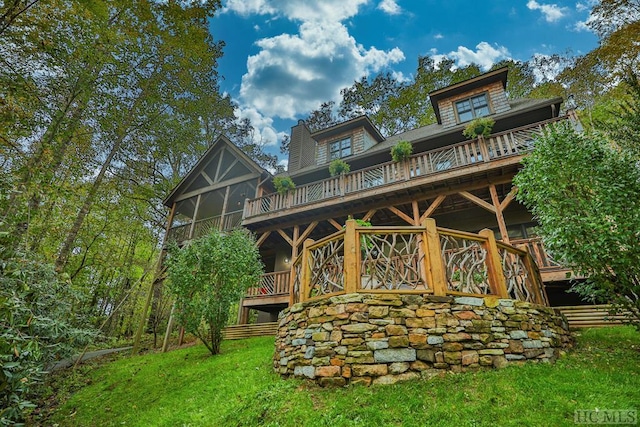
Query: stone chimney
x=302 y=148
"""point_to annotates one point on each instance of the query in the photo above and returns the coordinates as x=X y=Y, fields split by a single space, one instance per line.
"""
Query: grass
x=187 y=387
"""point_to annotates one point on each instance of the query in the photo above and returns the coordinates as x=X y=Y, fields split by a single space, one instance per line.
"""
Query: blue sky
x=284 y=57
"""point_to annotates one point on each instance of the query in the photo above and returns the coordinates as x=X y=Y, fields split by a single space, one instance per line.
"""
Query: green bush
x=37 y=328
x=338 y=167
x=283 y=184
x=401 y=151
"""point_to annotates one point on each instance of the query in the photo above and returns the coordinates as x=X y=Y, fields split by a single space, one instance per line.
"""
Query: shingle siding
x=497 y=101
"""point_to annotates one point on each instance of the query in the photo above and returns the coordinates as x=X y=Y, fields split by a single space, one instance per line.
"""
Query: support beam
x=306 y=233
x=509 y=198
x=401 y=214
x=285 y=237
x=369 y=215
x=262 y=238
x=499 y=216
x=478 y=201
x=334 y=223
x=434 y=205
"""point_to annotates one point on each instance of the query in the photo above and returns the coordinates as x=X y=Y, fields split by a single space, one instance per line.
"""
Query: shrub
x=283 y=184
x=479 y=126
x=338 y=167
x=209 y=275
x=38 y=327
x=401 y=151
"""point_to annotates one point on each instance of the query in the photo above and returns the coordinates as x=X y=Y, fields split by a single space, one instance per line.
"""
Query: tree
x=623 y=122
x=585 y=193
x=207 y=276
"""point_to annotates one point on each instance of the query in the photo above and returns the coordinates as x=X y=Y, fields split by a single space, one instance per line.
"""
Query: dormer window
x=472 y=107
x=339 y=149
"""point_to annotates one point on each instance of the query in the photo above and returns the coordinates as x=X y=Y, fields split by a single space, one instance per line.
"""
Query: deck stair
x=590 y=316
x=238 y=332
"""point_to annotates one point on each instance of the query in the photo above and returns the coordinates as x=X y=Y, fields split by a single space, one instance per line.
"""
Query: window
x=340 y=149
x=470 y=108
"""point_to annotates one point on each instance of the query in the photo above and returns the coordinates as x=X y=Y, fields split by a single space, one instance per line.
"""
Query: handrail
x=504 y=144
x=414 y=259
x=271 y=284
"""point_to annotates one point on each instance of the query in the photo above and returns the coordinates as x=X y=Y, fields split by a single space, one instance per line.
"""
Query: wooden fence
x=426 y=260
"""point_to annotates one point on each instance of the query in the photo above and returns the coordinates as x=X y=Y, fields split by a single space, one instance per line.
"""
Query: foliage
x=207 y=276
x=479 y=126
x=396 y=106
x=401 y=151
x=338 y=167
x=283 y=184
x=586 y=196
x=175 y=389
x=623 y=120
x=38 y=326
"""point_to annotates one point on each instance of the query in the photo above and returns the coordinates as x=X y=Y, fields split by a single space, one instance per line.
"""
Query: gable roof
x=204 y=160
x=360 y=121
x=499 y=75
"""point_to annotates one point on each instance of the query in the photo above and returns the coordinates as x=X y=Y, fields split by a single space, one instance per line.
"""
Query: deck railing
x=425 y=260
x=513 y=142
x=201 y=227
x=535 y=247
x=271 y=284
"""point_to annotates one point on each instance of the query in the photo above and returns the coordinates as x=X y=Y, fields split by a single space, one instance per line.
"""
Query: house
x=463 y=184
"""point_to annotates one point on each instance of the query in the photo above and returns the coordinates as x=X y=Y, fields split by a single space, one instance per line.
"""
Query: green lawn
x=187 y=387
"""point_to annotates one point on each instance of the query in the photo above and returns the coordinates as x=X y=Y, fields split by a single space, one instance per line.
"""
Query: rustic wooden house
x=461 y=183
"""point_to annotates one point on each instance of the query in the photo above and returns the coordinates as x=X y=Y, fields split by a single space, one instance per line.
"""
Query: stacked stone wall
x=385 y=338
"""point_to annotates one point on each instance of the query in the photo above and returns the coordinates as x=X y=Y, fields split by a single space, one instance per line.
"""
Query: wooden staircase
x=590 y=316
x=238 y=332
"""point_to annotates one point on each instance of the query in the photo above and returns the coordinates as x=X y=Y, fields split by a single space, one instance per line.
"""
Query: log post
x=534 y=274
x=497 y=282
x=351 y=251
x=305 y=271
x=434 y=263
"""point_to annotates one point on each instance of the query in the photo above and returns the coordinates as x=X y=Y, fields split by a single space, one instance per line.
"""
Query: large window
x=470 y=108
x=339 y=149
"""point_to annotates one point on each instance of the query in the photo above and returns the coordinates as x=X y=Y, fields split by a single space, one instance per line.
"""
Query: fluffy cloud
x=293 y=73
x=551 y=12
x=265 y=133
x=485 y=55
x=302 y=10
x=390 y=7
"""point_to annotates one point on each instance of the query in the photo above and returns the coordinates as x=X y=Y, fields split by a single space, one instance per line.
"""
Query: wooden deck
x=470 y=157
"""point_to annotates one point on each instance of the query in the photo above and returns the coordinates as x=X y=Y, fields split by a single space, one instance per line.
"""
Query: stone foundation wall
x=385 y=338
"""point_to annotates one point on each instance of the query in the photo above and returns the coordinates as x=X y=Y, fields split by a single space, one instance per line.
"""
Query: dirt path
x=65 y=363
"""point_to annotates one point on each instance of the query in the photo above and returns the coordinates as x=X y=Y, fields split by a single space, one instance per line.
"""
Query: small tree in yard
x=207 y=276
x=585 y=193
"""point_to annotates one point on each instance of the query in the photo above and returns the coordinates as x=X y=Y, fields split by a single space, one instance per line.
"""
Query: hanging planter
x=401 y=151
x=480 y=126
x=339 y=167
x=283 y=184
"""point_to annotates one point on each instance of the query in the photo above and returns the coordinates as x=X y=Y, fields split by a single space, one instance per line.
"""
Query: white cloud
x=581 y=26
x=551 y=12
x=300 y=10
x=438 y=36
x=293 y=73
x=265 y=133
x=390 y=7
x=485 y=55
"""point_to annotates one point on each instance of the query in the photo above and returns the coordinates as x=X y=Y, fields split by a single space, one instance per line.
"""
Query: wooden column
x=351 y=250
x=437 y=279
x=305 y=271
x=497 y=282
x=224 y=208
x=195 y=215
